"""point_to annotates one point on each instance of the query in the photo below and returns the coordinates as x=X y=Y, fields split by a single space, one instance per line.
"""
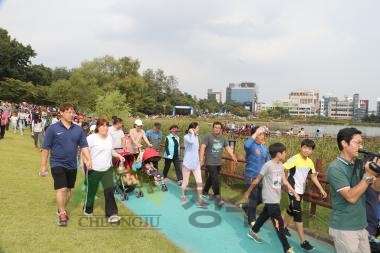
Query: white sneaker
x=114 y=218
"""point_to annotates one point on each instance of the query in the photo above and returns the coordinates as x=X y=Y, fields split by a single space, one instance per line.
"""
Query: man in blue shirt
x=154 y=136
x=63 y=139
x=256 y=155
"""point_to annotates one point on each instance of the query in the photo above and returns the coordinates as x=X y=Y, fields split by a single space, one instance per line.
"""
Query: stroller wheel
x=122 y=197
x=126 y=196
x=164 y=188
x=138 y=194
x=141 y=194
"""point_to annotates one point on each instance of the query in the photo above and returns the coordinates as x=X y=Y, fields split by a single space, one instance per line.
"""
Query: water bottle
x=121 y=167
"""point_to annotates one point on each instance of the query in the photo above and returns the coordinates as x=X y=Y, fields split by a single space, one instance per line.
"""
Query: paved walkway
x=208 y=230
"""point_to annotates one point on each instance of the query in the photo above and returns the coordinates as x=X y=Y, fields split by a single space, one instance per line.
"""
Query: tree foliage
x=112 y=103
x=101 y=82
x=19 y=91
x=15 y=57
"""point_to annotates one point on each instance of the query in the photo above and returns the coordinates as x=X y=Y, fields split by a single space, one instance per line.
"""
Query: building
x=308 y=100
x=300 y=103
x=324 y=106
x=214 y=95
x=305 y=96
x=262 y=106
x=340 y=109
x=295 y=108
x=360 y=108
x=378 y=107
x=356 y=107
x=244 y=93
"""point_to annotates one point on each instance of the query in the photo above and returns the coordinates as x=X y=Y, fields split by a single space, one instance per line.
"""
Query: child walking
x=299 y=167
x=273 y=176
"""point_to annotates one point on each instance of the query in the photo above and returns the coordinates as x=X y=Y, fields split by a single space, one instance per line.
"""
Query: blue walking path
x=207 y=230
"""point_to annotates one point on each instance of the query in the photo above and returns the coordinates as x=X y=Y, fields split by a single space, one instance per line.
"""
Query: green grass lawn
x=28 y=222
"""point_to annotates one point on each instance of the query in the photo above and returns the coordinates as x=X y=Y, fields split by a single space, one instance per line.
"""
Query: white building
x=300 y=103
x=340 y=109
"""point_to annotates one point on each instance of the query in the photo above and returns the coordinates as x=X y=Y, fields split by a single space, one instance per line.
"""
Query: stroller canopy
x=151 y=155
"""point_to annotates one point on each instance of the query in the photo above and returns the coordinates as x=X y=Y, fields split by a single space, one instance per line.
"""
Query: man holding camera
x=349 y=179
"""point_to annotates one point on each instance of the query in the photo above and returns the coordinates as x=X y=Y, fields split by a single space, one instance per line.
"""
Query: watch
x=368 y=179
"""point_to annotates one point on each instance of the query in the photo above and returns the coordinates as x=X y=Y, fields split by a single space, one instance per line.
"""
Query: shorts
x=295 y=208
x=63 y=177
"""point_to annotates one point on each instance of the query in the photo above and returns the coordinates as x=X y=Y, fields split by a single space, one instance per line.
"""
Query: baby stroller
x=149 y=157
x=125 y=180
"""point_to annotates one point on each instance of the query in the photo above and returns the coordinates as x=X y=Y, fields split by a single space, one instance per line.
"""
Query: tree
x=61 y=73
x=61 y=92
x=19 y=91
x=39 y=75
x=112 y=103
x=15 y=57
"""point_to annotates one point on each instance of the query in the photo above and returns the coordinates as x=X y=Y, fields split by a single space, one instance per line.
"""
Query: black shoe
x=307 y=246
x=287 y=233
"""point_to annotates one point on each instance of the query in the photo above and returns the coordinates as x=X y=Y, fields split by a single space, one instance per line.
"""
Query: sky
x=281 y=45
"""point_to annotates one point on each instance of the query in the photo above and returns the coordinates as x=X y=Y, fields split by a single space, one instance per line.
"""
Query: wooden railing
x=311 y=194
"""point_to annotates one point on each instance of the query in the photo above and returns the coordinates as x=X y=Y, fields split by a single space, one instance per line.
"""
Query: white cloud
x=331 y=46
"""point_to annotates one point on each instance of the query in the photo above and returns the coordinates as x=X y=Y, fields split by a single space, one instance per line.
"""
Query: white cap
x=138 y=122
x=92 y=128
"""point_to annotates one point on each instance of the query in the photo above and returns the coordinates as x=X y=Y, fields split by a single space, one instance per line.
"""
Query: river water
x=330 y=130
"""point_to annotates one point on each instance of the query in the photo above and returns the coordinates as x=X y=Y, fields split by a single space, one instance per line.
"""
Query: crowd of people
x=60 y=132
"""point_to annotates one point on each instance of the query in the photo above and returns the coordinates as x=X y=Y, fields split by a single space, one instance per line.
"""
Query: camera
x=368 y=156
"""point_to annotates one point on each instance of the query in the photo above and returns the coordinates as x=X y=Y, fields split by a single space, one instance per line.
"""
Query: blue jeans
x=255 y=199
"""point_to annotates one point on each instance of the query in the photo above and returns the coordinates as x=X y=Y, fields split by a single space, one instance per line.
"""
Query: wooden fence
x=311 y=194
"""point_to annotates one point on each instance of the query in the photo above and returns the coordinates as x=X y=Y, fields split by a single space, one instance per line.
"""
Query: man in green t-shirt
x=349 y=181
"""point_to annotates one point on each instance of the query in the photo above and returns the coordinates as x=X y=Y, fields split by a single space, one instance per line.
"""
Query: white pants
x=350 y=241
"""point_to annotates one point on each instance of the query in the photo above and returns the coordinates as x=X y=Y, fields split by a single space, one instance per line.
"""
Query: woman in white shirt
x=37 y=130
x=191 y=163
x=100 y=145
x=14 y=120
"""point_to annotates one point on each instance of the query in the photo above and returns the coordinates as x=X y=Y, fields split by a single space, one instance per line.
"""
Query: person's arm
x=115 y=154
x=315 y=180
x=167 y=147
x=134 y=141
x=44 y=158
x=248 y=144
x=352 y=195
x=87 y=158
x=231 y=153
x=191 y=137
x=46 y=146
x=146 y=139
x=202 y=151
x=253 y=185
x=290 y=188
